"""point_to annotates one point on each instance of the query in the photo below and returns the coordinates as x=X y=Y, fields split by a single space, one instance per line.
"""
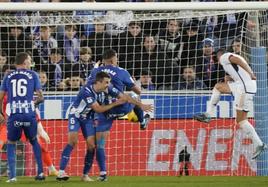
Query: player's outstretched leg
x=143 y=119
x=249 y=129
x=212 y=104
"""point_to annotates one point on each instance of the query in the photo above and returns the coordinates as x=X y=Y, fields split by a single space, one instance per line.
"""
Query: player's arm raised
x=245 y=66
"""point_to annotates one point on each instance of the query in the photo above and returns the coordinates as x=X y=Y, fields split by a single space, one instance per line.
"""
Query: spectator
x=169 y=39
x=75 y=82
x=189 y=81
x=43 y=45
x=129 y=43
x=145 y=81
x=3 y=61
x=152 y=59
x=6 y=68
x=99 y=41
x=54 y=69
x=191 y=41
x=205 y=65
x=85 y=64
x=229 y=26
x=16 y=41
x=70 y=44
x=43 y=80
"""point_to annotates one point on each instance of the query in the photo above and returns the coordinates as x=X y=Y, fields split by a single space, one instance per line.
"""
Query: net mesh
x=169 y=54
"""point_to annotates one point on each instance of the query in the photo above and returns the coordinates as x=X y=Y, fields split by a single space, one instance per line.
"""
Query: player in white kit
x=242 y=84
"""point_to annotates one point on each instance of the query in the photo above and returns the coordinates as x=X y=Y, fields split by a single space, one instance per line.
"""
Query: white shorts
x=242 y=101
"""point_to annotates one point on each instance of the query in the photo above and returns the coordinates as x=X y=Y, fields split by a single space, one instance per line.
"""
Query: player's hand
x=147 y=107
x=121 y=101
x=2 y=119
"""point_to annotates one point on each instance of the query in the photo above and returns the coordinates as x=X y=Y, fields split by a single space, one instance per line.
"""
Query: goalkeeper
x=120 y=79
x=242 y=84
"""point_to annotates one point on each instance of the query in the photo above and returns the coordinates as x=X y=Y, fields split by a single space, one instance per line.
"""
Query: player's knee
x=219 y=87
x=72 y=142
x=91 y=146
x=101 y=143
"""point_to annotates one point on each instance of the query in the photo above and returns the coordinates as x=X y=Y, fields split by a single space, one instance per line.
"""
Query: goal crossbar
x=135 y=6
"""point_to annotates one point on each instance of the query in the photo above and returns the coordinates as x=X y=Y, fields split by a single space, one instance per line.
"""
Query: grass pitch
x=154 y=181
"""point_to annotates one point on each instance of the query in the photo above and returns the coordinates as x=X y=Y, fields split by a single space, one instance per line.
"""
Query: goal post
x=158 y=6
x=158 y=41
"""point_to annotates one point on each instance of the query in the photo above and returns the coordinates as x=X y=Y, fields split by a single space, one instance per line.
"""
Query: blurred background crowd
x=160 y=54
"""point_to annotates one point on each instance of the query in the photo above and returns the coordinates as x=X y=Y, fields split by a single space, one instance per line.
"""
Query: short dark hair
x=101 y=75
x=21 y=57
x=146 y=72
x=108 y=54
x=221 y=50
x=134 y=23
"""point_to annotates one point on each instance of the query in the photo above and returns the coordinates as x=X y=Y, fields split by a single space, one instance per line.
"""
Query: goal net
x=170 y=54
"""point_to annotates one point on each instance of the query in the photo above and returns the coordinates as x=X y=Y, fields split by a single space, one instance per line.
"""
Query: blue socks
x=37 y=155
x=139 y=113
x=101 y=159
x=65 y=156
x=11 y=159
x=88 y=161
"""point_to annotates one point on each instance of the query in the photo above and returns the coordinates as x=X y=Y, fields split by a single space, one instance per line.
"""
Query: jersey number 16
x=19 y=87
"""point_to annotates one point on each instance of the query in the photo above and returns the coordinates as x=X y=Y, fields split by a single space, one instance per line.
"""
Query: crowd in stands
x=173 y=54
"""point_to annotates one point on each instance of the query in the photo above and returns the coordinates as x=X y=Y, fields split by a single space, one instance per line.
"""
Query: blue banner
x=165 y=106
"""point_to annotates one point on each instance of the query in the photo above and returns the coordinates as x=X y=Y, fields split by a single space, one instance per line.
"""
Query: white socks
x=249 y=129
x=214 y=99
x=103 y=173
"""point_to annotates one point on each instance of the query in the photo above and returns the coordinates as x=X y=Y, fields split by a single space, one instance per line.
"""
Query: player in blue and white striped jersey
x=82 y=116
x=20 y=86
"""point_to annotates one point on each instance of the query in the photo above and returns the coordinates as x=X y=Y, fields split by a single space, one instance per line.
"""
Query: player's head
x=23 y=60
x=109 y=57
x=236 y=46
x=219 y=53
x=102 y=81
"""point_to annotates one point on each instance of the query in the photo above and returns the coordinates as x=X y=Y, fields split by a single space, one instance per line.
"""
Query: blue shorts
x=105 y=121
x=18 y=122
x=86 y=125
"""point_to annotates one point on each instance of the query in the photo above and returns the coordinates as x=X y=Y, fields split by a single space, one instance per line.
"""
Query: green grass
x=156 y=181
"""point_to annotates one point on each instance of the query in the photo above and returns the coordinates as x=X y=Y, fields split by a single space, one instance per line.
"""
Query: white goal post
x=135 y=6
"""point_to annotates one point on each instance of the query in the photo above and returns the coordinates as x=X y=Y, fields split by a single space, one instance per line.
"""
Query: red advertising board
x=218 y=148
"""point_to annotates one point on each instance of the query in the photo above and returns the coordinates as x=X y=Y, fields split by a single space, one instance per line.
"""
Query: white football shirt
x=238 y=74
